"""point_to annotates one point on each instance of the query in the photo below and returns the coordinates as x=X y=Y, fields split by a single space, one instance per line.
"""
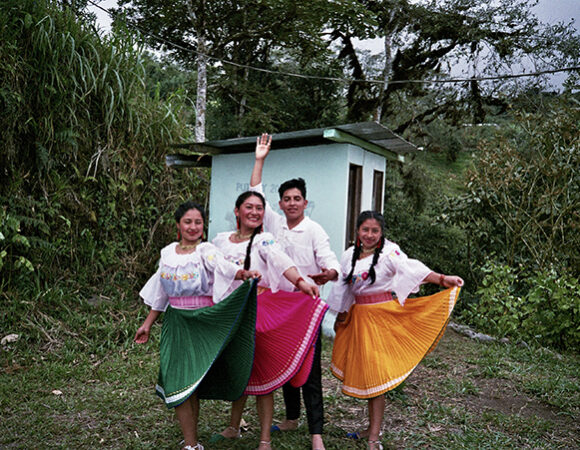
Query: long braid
x=248 y=258
x=355 y=255
x=378 y=250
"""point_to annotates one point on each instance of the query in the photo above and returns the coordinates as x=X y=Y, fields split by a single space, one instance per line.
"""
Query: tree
x=238 y=37
x=423 y=39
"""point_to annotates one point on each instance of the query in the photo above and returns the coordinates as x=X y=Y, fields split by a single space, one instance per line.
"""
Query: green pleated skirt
x=208 y=351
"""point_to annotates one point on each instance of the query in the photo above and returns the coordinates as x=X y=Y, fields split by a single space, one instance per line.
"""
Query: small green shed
x=344 y=167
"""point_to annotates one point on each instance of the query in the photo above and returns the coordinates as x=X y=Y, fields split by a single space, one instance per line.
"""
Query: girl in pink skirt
x=287 y=323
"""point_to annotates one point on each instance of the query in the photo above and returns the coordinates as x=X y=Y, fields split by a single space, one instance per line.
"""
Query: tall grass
x=83 y=145
x=84 y=192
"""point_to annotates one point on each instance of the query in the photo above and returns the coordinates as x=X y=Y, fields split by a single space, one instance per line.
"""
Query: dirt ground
x=452 y=376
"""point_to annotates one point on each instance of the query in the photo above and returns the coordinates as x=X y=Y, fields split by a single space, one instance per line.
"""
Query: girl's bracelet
x=441 y=280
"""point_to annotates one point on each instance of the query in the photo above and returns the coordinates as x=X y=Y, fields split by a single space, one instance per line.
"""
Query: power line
x=337 y=79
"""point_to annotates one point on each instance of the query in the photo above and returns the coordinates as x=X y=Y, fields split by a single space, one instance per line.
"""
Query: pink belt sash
x=192 y=302
x=378 y=297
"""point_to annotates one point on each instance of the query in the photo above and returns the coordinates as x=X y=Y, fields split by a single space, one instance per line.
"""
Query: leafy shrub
x=12 y=243
x=81 y=163
x=524 y=192
x=553 y=302
x=542 y=306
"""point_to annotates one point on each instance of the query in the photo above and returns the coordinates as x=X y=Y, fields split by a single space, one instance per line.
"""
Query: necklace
x=189 y=247
x=367 y=251
x=242 y=237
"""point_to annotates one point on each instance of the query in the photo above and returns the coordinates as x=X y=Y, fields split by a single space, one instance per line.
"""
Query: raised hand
x=263 y=144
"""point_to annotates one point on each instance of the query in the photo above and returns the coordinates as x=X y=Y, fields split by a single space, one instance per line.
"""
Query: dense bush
x=541 y=307
x=521 y=220
x=83 y=185
x=524 y=192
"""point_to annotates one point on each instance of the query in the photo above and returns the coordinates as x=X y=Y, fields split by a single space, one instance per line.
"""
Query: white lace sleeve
x=341 y=298
x=153 y=293
x=277 y=262
x=224 y=271
x=408 y=273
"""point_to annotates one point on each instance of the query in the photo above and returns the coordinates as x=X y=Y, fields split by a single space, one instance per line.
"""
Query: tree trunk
x=386 y=77
x=197 y=17
x=243 y=100
x=201 y=101
x=388 y=70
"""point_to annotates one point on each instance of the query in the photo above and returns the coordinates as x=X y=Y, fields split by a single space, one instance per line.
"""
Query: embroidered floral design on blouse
x=267 y=242
x=394 y=253
x=237 y=262
x=180 y=277
x=357 y=278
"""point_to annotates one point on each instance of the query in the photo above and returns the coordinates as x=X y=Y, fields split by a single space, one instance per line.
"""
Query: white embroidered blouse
x=266 y=255
x=394 y=271
x=307 y=243
x=192 y=274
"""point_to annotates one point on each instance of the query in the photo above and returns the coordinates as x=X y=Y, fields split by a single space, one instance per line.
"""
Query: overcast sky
x=550 y=11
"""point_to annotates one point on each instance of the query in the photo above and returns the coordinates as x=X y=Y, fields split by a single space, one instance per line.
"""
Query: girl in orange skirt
x=381 y=335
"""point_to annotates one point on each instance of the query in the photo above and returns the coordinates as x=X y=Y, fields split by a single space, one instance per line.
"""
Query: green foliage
x=270 y=35
x=275 y=103
x=444 y=139
x=554 y=309
x=82 y=152
x=413 y=221
x=12 y=243
x=524 y=192
x=541 y=307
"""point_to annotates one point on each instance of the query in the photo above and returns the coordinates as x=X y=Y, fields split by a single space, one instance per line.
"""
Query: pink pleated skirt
x=287 y=326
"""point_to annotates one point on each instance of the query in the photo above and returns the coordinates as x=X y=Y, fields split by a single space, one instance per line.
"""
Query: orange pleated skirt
x=380 y=344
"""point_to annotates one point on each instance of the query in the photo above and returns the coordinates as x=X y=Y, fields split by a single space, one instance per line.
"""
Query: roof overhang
x=371 y=136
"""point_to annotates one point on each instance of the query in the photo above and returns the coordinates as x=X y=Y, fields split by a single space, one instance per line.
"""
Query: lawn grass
x=86 y=385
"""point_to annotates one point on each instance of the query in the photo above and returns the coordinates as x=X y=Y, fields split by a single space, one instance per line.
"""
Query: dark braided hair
x=363 y=216
x=184 y=207
x=241 y=199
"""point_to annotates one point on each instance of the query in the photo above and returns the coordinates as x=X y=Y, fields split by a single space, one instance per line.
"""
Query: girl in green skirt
x=207 y=343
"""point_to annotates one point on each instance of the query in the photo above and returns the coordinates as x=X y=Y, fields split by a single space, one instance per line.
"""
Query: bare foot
x=317 y=443
x=265 y=445
x=288 y=425
x=231 y=433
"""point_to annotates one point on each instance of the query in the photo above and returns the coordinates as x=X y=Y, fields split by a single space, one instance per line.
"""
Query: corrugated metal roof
x=380 y=135
x=370 y=135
